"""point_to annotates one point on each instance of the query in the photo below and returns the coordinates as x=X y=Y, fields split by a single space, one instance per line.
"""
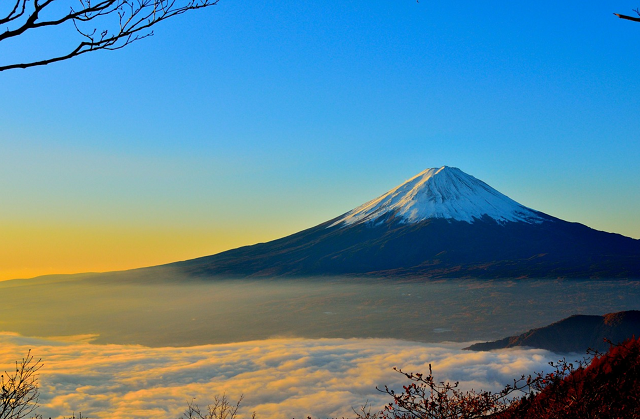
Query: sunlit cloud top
x=278 y=377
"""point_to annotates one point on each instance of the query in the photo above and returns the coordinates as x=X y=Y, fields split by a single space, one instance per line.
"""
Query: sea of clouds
x=280 y=378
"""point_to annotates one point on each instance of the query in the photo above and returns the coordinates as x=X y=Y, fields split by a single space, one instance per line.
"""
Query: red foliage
x=605 y=387
x=609 y=387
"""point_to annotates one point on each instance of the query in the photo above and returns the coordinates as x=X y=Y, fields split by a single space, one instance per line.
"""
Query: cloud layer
x=279 y=378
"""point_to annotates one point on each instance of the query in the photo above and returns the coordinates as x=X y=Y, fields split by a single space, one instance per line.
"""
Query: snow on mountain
x=445 y=192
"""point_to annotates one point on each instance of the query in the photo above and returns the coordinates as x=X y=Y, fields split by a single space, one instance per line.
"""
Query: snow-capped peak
x=445 y=192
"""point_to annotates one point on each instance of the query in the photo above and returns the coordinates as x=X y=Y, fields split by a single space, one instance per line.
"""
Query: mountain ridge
x=576 y=333
x=384 y=242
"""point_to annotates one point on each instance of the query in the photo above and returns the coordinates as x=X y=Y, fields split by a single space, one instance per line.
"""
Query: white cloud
x=279 y=377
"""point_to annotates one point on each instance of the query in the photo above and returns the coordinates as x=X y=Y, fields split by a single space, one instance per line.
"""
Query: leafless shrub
x=19 y=392
x=221 y=408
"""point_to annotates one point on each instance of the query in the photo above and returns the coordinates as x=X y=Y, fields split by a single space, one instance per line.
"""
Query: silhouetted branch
x=19 y=389
x=635 y=19
x=426 y=398
x=102 y=25
x=221 y=408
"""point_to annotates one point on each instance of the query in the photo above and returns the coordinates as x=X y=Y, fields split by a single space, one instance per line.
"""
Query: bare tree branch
x=19 y=389
x=635 y=19
x=15 y=13
x=221 y=408
x=104 y=25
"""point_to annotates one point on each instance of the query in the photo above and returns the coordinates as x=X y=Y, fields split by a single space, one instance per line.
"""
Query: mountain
x=574 y=334
x=441 y=223
x=445 y=193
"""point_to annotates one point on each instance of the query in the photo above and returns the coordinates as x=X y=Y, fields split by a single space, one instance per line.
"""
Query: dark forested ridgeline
x=574 y=334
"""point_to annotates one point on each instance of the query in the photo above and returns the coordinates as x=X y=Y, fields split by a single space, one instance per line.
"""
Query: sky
x=252 y=120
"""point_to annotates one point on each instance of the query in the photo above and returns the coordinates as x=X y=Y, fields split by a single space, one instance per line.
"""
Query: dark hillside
x=434 y=248
x=574 y=334
x=608 y=388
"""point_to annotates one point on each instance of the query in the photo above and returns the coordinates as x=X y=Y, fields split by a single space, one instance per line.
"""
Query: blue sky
x=252 y=120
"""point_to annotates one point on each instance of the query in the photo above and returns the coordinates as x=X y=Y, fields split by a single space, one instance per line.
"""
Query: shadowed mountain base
x=434 y=248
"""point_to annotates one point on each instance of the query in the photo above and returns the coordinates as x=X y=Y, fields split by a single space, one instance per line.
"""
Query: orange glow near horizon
x=27 y=251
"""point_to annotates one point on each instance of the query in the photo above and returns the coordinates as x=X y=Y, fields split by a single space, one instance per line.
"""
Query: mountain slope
x=446 y=193
x=574 y=334
x=441 y=223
